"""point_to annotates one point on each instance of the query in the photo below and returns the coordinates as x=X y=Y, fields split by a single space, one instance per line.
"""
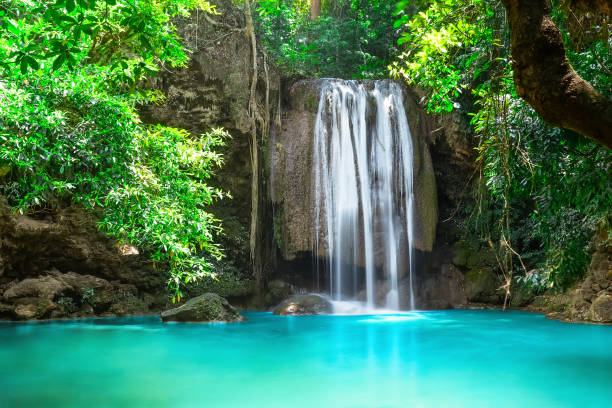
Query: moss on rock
x=207 y=308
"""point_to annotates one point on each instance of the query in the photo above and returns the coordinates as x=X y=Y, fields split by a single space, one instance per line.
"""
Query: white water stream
x=363 y=193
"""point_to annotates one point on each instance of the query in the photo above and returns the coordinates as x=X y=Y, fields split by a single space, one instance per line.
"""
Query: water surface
x=456 y=358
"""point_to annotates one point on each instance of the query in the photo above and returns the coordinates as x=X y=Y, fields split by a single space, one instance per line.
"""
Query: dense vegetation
x=72 y=75
x=352 y=39
x=540 y=192
x=70 y=83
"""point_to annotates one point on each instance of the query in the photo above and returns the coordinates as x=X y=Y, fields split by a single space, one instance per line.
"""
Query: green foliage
x=130 y=37
x=351 y=39
x=70 y=131
x=542 y=191
x=163 y=208
x=88 y=295
x=449 y=46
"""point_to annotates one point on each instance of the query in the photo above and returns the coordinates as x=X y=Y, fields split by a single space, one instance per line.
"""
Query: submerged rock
x=302 y=305
x=207 y=308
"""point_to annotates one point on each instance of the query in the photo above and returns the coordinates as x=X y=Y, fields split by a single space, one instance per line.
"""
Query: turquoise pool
x=456 y=358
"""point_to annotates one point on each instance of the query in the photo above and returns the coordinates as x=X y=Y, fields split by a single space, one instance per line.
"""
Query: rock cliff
x=60 y=265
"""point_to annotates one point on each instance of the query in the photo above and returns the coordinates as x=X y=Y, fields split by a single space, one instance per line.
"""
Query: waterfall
x=363 y=190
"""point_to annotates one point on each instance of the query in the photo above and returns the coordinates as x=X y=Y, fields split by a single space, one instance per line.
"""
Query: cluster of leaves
x=351 y=39
x=448 y=47
x=542 y=191
x=132 y=37
x=70 y=132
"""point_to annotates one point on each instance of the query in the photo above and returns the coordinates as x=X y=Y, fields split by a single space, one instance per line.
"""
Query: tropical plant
x=71 y=79
x=542 y=191
x=351 y=38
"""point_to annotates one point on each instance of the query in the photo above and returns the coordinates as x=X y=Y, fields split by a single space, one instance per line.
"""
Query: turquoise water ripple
x=457 y=358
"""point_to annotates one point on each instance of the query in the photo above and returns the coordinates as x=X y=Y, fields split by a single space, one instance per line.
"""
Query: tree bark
x=544 y=77
x=315 y=9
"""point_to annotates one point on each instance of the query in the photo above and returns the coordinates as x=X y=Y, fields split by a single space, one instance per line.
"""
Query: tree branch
x=544 y=77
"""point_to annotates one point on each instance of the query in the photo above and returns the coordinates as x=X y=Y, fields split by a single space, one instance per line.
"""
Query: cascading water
x=363 y=193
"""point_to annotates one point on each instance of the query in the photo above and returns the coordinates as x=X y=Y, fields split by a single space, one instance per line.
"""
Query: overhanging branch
x=544 y=77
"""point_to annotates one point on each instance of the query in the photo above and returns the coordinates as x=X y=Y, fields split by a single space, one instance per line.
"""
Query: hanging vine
x=263 y=119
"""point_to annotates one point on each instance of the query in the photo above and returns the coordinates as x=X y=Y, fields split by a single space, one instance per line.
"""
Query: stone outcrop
x=302 y=305
x=59 y=295
x=591 y=299
x=102 y=278
x=45 y=287
x=601 y=309
x=206 y=308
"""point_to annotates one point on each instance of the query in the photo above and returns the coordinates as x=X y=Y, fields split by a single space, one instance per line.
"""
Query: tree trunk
x=315 y=9
x=544 y=77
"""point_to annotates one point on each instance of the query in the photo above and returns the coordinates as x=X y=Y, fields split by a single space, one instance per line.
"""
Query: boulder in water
x=302 y=305
x=207 y=308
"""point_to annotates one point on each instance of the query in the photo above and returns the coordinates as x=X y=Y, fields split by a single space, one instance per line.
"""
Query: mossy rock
x=467 y=254
x=461 y=252
x=558 y=303
x=601 y=310
x=277 y=290
x=483 y=285
x=207 y=308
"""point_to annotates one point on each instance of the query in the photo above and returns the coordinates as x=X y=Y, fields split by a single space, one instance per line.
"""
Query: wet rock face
x=442 y=288
x=290 y=167
x=207 y=308
x=303 y=305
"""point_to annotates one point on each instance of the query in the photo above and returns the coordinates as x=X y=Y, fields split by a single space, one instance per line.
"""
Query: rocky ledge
x=60 y=265
x=59 y=295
